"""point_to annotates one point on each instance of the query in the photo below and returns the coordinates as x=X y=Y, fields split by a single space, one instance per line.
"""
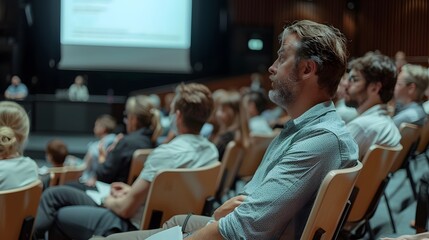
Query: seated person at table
x=15 y=169
x=16 y=90
x=78 y=90
x=68 y=213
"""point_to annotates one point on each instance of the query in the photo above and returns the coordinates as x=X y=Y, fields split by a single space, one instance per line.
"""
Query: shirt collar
x=314 y=112
x=382 y=108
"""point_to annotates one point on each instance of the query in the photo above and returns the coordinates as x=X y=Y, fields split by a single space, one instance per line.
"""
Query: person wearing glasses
x=369 y=87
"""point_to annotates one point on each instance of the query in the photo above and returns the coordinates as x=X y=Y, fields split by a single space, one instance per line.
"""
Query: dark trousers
x=188 y=224
x=68 y=213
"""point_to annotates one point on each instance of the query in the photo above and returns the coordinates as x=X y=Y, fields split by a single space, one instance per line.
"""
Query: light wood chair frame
x=18 y=207
x=179 y=191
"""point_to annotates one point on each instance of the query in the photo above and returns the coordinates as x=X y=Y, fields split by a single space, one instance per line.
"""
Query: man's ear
x=308 y=68
x=375 y=87
x=412 y=88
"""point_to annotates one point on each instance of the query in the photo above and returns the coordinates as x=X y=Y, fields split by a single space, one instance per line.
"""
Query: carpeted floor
x=401 y=201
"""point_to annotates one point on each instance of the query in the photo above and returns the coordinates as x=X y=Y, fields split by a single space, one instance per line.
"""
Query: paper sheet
x=174 y=233
x=103 y=190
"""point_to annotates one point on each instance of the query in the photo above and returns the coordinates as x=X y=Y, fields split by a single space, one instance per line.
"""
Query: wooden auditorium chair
x=331 y=201
x=179 y=191
x=409 y=137
x=18 y=208
x=137 y=163
x=370 y=184
x=253 y=153
x=423 y=141
x=230 y=163
x=62 y=175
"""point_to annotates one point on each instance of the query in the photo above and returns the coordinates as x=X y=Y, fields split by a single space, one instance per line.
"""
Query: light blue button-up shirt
x=282 y=191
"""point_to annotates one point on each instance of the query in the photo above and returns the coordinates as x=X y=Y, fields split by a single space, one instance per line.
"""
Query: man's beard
x=351 y=103
x=286 y=92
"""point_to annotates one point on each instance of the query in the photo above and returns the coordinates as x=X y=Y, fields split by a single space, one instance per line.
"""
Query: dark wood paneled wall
x=395 y=25
x=384 y=25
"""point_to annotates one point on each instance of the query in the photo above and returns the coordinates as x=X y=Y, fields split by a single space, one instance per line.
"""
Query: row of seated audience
x=283 y=187
x=61 y=208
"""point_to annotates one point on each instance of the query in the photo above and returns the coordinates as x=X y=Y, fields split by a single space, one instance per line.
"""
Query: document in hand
x=103 y=190
x=174 y=233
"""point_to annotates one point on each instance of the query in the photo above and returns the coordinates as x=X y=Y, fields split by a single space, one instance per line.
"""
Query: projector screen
x=128 y=35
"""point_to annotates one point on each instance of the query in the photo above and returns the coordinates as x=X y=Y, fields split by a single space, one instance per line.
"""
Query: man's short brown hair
x=195 y=102
x=58 y=151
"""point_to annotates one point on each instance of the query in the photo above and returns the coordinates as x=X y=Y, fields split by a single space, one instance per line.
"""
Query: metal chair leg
x=369 y=230
x=412 y=183
x=392 y=221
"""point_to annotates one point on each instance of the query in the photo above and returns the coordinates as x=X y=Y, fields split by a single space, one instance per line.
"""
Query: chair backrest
x=137 y=163
x=18 y=208
x=230 y=163
x=179 y=191
x=62 y=175
x=253 y=153
x=409 y=135
x=330 y=202
x=376 y=166
x=424 y=138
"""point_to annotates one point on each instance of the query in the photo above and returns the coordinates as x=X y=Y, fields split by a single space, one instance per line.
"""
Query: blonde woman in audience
x=410 y=86
x=227 y=118
x=15 y=169
x=211 y=127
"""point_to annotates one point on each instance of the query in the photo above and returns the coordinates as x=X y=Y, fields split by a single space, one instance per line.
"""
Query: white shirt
x=17 y=172
x=374 y=126
x=184 y=151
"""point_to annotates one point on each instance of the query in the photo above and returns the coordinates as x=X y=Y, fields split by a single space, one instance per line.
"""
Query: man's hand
x=228 y=207
x=119 y=189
